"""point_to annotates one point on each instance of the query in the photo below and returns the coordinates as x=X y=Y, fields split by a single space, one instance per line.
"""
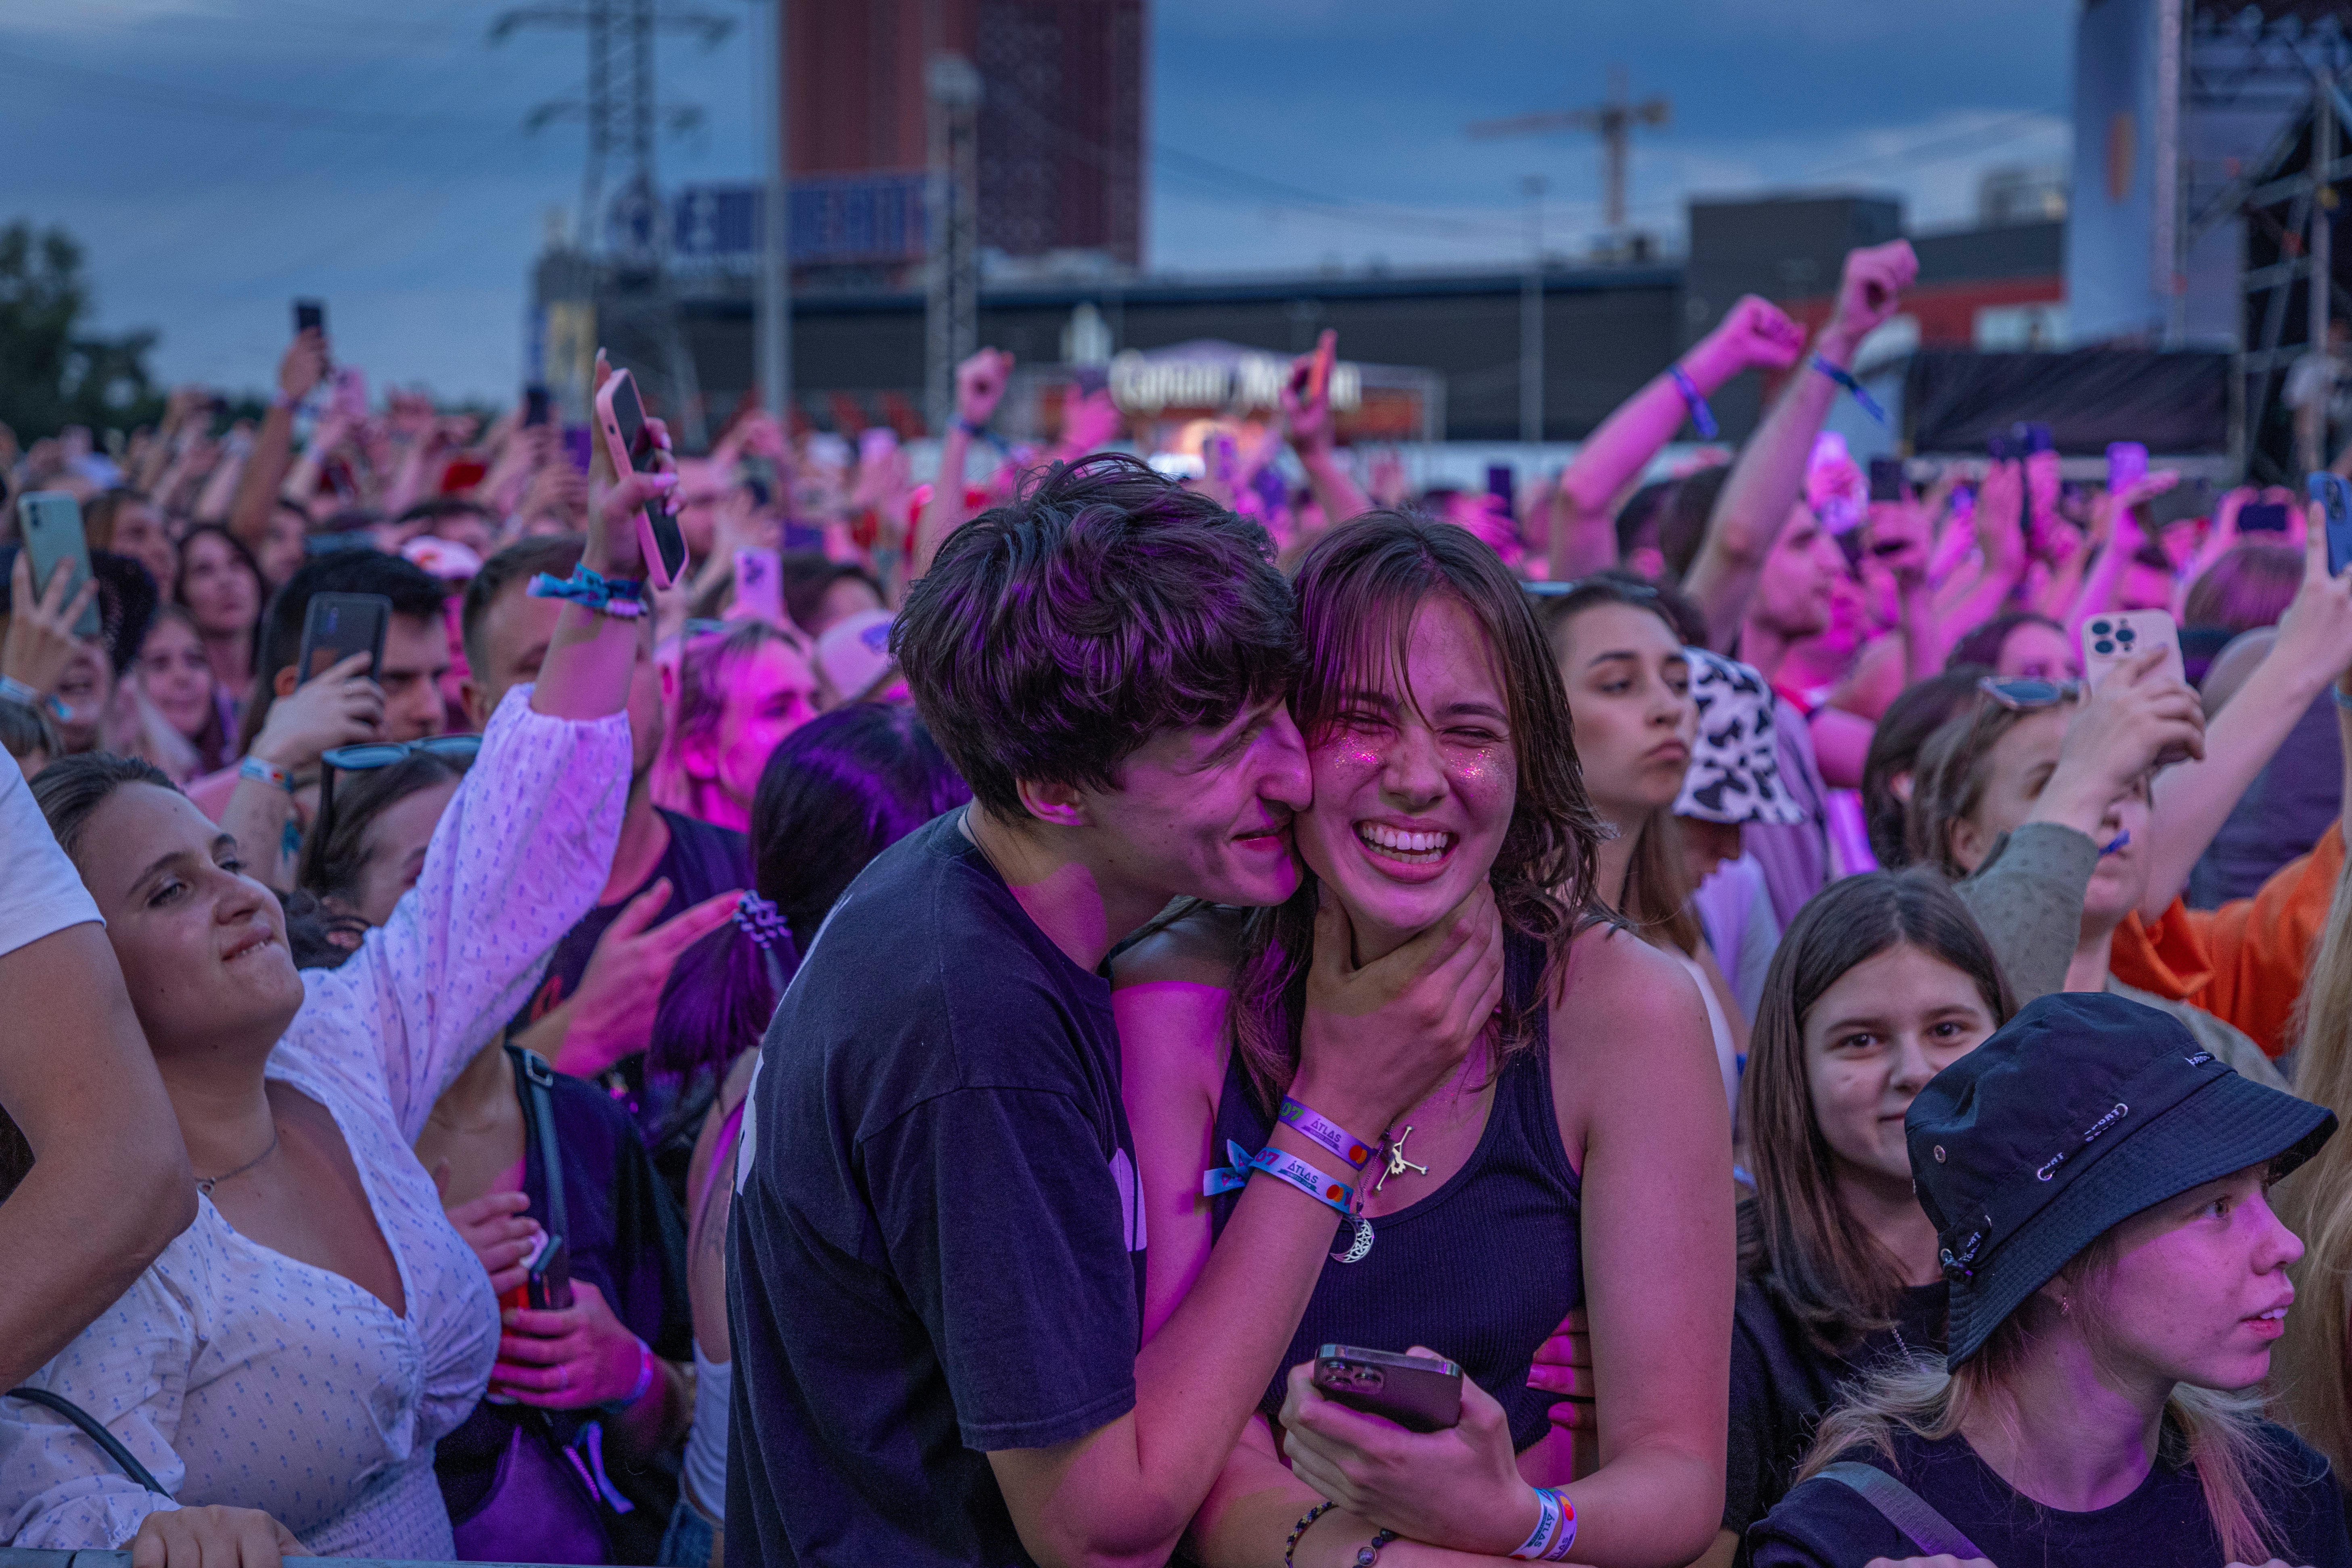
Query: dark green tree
x=55 y=371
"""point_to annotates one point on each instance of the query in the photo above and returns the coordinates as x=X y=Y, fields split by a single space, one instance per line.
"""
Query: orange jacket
x=2246 y=961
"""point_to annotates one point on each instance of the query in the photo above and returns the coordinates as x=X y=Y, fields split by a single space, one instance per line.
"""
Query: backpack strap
x=92 y=1430
x=534 y=1086
x=1906 y=1510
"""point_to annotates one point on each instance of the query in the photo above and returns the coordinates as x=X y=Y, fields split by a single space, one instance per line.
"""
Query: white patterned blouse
x=240 y=1376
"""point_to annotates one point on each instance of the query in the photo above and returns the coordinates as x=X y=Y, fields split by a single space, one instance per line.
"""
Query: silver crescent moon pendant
x=1358 y=1248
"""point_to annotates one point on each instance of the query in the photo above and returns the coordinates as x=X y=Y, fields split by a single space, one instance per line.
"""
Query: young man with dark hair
x=936 y=1260
x=290 y=721
x=673 y=878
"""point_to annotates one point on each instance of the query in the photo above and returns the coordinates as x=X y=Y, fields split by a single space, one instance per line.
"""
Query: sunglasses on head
x=456 y=750
x=2029 y=696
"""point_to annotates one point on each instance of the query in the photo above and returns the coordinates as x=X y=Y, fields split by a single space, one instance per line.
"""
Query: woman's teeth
x=1395 y=844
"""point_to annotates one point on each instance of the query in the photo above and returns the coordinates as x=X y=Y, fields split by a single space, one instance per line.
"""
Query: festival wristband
x=1558 y=1551
x=1539 y=1539
x=1289 y=1168
x=1702 y=416
x=645 y=1381
x=259 y=771
x=14 y=690
x=1320 y=1129
x=593 y=590
x=1844 y=378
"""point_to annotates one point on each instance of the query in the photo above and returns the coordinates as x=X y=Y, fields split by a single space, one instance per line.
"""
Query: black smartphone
x=1499 y=482
x=548 y=1285
x=310 y=314
x=2031 y=439
x=337 y=626
x=534 y=406
x=49 y=522
x=1886 y=479
x=661 y=523
x=1420 y=1393
x=2262 y=517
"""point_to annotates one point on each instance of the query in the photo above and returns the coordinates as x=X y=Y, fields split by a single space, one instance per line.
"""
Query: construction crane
x=1614 y=118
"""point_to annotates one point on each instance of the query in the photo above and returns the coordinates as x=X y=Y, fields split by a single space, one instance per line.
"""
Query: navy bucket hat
x=2075 y=1115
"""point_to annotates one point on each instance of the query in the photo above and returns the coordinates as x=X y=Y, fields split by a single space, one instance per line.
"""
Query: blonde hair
x=2308 y=1371
x=2206 y=1429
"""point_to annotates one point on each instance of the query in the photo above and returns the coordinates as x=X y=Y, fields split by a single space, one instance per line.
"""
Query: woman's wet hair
x=1815 y=1261
x=1358 y=589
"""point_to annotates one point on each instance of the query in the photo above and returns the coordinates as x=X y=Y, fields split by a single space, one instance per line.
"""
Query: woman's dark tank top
x=1481 y=1270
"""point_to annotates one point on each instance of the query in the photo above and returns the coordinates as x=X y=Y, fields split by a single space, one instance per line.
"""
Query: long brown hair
x=1811 y=1256
x=1358 y=591
x=2212 y=1430
x=2308 y=1371
x=1656 y=901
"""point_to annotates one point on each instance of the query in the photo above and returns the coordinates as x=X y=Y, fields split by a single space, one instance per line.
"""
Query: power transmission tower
x=952 y=298
x=1614 y=120
x=631 y=230
x=620 y=109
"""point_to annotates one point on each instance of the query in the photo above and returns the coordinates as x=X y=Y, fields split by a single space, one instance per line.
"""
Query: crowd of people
x=892 y=1048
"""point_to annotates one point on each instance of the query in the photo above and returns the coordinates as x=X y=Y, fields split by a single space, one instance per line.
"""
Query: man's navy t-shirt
x=936 y=1248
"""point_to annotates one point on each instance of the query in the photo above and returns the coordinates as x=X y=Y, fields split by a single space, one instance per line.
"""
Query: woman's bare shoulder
x=1197 y=948
x=1613 y=980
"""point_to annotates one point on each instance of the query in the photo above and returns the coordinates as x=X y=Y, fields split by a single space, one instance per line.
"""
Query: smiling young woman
x=1556 y=1170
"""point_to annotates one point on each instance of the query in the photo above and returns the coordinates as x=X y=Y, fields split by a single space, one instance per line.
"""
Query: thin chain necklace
x=206 y=1184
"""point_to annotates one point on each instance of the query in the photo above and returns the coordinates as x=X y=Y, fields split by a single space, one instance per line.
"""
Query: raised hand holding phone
x=41 y=641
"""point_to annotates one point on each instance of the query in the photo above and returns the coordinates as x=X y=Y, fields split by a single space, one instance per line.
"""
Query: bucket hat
x=2075 y=1115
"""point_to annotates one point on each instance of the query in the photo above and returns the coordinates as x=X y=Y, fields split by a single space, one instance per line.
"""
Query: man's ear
x=698 y=759
x=1060 y=804
x=283 y=682
x=476 y=697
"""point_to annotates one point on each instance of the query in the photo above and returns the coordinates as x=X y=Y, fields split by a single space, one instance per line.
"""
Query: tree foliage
x=54 y=370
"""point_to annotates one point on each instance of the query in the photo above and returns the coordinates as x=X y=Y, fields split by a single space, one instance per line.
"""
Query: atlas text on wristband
x=1323 y=1131
x=14 y=690
x=1555 y=1528
x=259 y=771
x=1702 y=416
x=1844 y=378
x=1282 y=1167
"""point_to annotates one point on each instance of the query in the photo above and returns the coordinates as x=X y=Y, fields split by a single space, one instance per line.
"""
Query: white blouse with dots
x=240 y=1376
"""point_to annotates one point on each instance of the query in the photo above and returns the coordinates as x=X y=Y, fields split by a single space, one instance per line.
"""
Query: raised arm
x=979 y=382
x=519 y=858
x=1311 y=438
x=2192 y=801
x=273 y=448
x=1754 y=332
x=1770 y=474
